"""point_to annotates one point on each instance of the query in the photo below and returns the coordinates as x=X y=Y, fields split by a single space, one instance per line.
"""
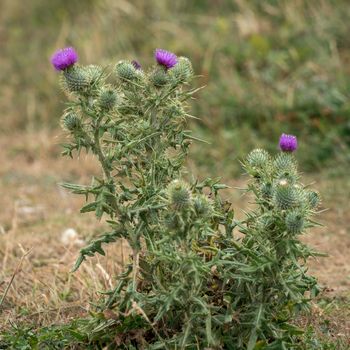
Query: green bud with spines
x=71 y=121
x=182 y=72
x=203 y=206
x=95 y=75
x=287 y=196
x=295 y=222
x=125 y=71
x=159 y=77
x=258 y=158
x=266 y=190
x=82 y=79
x=107 y=98
x=313 y=199
x=285 y=166
x=179 y=195
x=75 y=79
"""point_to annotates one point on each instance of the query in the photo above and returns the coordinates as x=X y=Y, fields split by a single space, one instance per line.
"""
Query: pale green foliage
x=191 y=282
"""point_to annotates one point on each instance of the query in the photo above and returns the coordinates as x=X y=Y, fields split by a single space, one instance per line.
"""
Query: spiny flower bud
x=258 y=158
x=295 y=222
x=126 y=71
x=179 y=194
x=107 y=98
x=71 y=122
x=159 y=77
x=284 y=166
x=286 y=196
x=76 y=79
x=182 y=72
x=266 y=190
x=82 y=79
x=313 y=199
x=203 y=206
x=94 y=73
x=284 y=161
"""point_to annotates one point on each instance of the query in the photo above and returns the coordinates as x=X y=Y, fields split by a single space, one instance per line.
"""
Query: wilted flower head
x=136 y=64
x=165 y=58
x=64 y=58
x=288 y=143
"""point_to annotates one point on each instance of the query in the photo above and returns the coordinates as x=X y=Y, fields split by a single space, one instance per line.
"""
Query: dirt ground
x=37 y=254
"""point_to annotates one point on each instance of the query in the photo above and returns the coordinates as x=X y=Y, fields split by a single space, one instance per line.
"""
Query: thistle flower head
x=165 y=58
x=288 y=143
x=136 y=64
x=64 y=58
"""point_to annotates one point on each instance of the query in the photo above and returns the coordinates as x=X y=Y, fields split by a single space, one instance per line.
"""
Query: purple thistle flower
x=288 y=143
x=165 y=58
x=136 y=64
x=64 y=58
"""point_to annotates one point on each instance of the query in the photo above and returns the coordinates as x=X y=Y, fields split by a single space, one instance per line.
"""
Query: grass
x=45 y=300
x=269 y=67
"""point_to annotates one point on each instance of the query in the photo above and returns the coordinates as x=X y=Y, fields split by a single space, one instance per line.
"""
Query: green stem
x=98 y=151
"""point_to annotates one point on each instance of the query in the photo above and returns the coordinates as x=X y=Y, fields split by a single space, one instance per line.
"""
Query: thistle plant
x=192 y=282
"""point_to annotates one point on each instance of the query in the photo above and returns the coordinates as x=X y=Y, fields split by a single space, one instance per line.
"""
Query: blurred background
x=269 y=67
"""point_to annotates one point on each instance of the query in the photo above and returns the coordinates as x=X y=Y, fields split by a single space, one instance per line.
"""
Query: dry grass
x=45 y=292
